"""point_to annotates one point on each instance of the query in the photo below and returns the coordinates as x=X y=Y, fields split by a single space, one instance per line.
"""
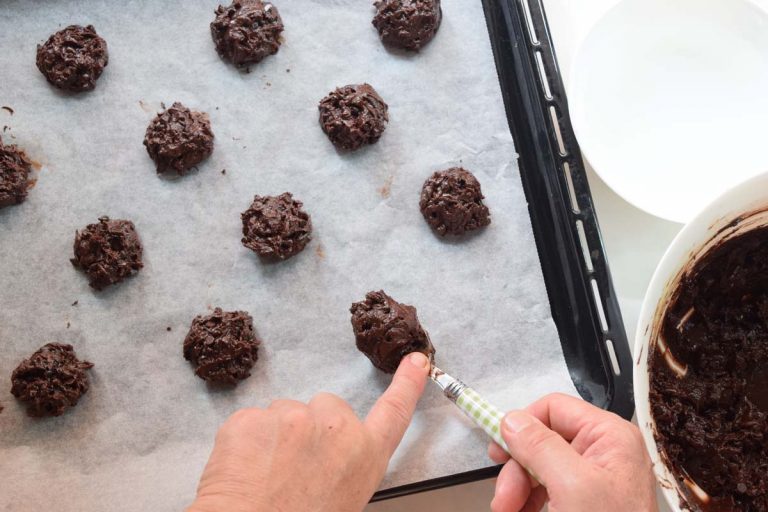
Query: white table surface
x=635 y=242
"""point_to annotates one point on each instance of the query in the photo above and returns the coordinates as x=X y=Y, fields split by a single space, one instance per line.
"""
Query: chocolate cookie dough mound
x=452 y=202
x=353 y=116
x=276 y=228
x=51 y=380
x=246 y=31
x=178 y=139
x=73 y=59
x=108 y=252
x=222 y=346
x=14 y=175
x=386 y=331
x=407 y=24
x=712 y=423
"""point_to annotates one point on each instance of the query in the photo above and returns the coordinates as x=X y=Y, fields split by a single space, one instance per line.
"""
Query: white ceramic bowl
x=748 y=201
x=668 y=100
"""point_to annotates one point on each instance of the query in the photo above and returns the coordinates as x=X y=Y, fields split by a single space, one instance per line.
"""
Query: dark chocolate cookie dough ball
x=51 y=380
x=178 y=139
x=14 y=175
x=452 y=202
x=73 y=59
x=407 y=24
x=276 y=227
x=222 y=346
x=108 y=252
x=353 y=115
x=386 y=331
x=246 y=31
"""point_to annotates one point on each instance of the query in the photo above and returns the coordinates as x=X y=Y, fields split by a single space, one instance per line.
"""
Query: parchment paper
x=140 y=437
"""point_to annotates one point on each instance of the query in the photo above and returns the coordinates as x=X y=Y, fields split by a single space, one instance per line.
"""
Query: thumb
x=543 y=452
x=391 y=414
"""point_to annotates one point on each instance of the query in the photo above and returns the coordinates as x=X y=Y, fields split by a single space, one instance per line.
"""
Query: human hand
x=586 y=460
x=315 y=457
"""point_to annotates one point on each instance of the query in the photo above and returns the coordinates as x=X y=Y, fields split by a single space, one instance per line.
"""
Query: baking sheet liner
x=140 y=437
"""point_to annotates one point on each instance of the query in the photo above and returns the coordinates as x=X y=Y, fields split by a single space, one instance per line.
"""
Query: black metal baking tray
x=578 y=280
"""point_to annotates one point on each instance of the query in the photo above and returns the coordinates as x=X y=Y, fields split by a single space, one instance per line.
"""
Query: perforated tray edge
x=582 y=297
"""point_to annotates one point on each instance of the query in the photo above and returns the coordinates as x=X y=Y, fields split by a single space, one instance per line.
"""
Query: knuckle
x=376 y=452
x=406 y=382
x=539 y=441
x=555 y=400
x=296 y=415
x=338 y=423
x=398 y=409
x=243 y=417
x=239 y=421
x=559 y=397
x=635 y=434
x=570 y=484
x=324 y=395
x=284 y=403
x=329 y=399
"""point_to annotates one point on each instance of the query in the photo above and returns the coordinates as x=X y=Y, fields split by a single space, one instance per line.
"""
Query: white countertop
x=635 y=242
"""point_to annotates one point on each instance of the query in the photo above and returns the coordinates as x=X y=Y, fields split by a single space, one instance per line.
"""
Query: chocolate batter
x=178 y=139
x=51 y=380
x=222 y=346
x=246 y=31
x=73 y=59
x=713 y=422
x=353 y=116
x=452 y=202
x=14 y=175
x=108 y=252
x=407 y=24
x=386 y=331
x=276 y=228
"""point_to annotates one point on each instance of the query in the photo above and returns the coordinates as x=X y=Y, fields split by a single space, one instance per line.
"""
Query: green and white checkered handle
x=478 y=409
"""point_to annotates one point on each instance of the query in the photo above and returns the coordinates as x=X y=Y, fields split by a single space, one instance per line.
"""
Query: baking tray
x=578 y=280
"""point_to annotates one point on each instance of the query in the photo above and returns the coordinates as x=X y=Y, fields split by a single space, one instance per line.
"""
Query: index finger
x=567 y=415
x=391 y=414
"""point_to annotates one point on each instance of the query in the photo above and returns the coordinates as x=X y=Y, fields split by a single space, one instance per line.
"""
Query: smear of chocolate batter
x=712 y=423
x=386 y=331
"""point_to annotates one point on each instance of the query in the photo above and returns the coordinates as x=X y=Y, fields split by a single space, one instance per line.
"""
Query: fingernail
x=418 y=360
x=517 y=421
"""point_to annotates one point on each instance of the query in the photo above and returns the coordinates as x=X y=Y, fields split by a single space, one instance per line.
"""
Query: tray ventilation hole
x=543 y=75
x=556 y=127
x=599 y=303
x=529 y=21
x=571 y=187
x=585 y=252
x=612 y=356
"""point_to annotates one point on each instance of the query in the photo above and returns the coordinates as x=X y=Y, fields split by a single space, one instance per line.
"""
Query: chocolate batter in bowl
x=701 y=377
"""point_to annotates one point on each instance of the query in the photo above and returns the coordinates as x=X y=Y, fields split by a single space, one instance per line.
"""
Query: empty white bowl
x=669 y=100
x=747 y=203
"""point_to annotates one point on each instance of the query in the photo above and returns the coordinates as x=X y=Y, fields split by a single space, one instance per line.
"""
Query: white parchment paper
x=140 y=437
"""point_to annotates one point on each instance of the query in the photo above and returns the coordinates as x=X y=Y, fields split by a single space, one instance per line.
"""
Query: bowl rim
x=730 y=211
x=592 y=149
